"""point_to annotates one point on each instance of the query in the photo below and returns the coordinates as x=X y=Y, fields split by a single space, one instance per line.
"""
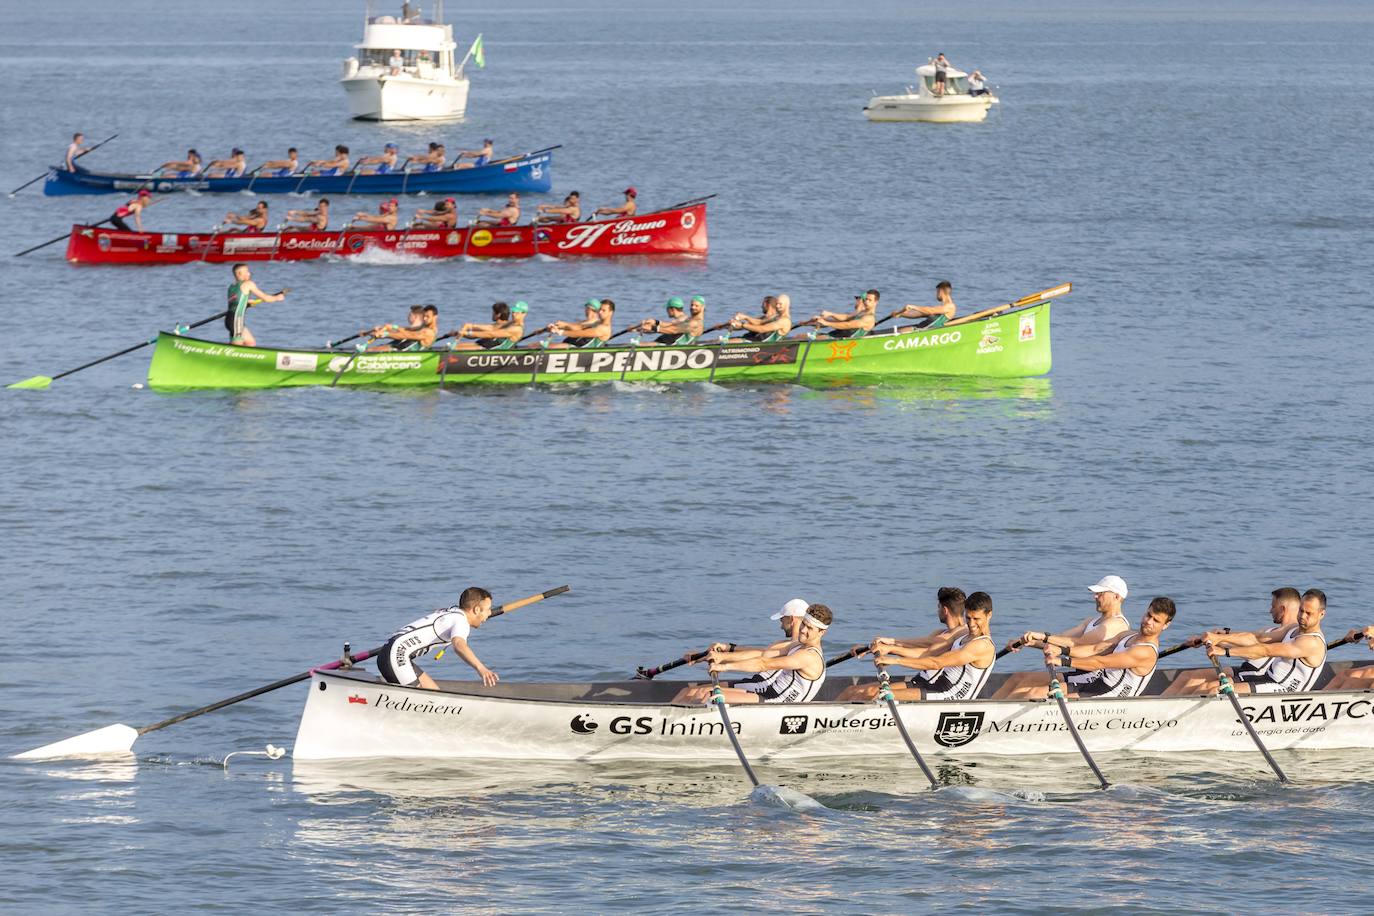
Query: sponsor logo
x=452 y=238
x=406 y=704
x=844 y=351
x=357 y=699
x=253 y=243
x=542 y=235
x=357 y=242
x=648 y=359
x=297 y=362
x=583 y=725
x=633 y=726
x=622 y=233
x=688 y=220
x=955 y=729
x=990 y=343
x=1027 y=331
x=481 y=238
x=536 y=170
x=103 y=242
x=324 y=244
x=512 y=166
x=792 y=725
x=917 y=341
x=1306 y=709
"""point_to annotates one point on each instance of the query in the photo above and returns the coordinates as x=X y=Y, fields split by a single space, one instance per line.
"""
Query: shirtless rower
x=1116 y=667
x=445 y=627
x=508 y=215
x=431 y=161
x=1361 y=678
x=75 y=150
x=1283 y=611
x=409 y=338
x=949 y=608
x=793 y=673
x=673 y=331
x=1298 y=662
x=283 y=167
x=385 y=218
x=590 y=333
x=316 y=219
x=959 y=671
x=141 y=201
x=1107 y=624
x=182 y=168
x=255 y=220
x=628 y=208
x=773 y=324
x=506 y=328
x=942 y=312
x=243 y=295
x=232 y=167
x=443 y=216
x=855 y=323
x=335 y=166
x=479 y=157
x=570 y=211
x=382 y=164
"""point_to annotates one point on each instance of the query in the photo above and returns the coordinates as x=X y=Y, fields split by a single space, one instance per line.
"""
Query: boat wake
x=373 y=257
x=783 y=797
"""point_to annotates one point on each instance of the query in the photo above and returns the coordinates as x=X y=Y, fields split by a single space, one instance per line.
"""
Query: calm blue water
x=1200 y=177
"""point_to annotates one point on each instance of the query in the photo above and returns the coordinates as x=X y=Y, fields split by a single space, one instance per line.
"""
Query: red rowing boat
x=680 y=231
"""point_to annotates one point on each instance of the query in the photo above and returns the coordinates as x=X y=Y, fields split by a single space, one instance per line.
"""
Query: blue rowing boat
x=530 y=172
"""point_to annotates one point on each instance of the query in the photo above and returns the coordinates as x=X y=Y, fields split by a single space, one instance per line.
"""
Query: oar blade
x=38 y=381
x=112 y=739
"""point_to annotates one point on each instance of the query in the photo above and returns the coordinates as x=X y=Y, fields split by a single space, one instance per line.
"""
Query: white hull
x=405 y=98
x=356 y=716
x=947 y=110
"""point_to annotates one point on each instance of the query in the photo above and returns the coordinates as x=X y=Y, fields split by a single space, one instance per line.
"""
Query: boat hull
x=679 y=232
x=949 y=110
x=528 y=173
x=405 y=98
x=1013 y=344
x=356 y=716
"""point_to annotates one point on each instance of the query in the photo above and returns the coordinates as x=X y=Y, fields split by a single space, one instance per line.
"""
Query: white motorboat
x=920 y=102
x=405 y=68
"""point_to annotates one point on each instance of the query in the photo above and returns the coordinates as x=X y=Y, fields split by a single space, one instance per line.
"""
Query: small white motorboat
x=958 y=103
x=405 y=68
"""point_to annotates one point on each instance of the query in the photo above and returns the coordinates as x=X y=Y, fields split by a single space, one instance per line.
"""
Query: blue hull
x=527 y=173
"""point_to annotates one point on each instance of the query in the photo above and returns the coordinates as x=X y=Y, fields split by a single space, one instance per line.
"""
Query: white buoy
x=137 y=385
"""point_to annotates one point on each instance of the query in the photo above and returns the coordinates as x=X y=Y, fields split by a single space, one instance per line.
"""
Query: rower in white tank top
x=785 y=685
x=1253 y=669
x=957 y=682
x=1290 y=675
x=1114 y=682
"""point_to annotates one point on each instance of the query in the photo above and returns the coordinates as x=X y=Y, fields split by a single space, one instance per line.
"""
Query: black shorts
x=490 y=343
x=939 y=76
x=389 y=672
x=118 y=223
x=844 y=332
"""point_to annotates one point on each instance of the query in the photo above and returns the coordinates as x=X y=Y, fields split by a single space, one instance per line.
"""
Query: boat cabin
x=413 y=42
x=956 y=81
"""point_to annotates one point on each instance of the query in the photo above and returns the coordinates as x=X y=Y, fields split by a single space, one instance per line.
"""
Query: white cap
x=1110 y=584
x=794 y=608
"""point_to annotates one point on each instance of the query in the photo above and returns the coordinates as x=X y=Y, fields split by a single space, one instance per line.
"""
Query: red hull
x=668 y=232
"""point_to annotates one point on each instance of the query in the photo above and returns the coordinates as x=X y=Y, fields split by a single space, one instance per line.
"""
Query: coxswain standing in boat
x=142 y=200
x=1284 y=604
x=383 y=164
x=941 y=64
x=243 y=295
x=793 y=674
x=1356 y=678
x=506 y=328
x=443 y=216
x=445 y=627
x=232 y=167
x=508 y=215
x=1297 y=664
x=336 y=166
x=411 y=338
x=479 y=157
x=773 y=324
x=255 y=220
x=432 y=161
x=627 y=209
x=1109 y=622
x=75 y=149
x=851 y=324
x=182 y=168
x=941 y=313
x=316 y=219
x=385 y=218
x=570 y=211
x=591 y=333
x=283 y=167
x=956 y=673
x=949 y=609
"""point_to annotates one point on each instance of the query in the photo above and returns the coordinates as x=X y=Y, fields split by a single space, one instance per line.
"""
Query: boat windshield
x=381 y=58
x=954 y=85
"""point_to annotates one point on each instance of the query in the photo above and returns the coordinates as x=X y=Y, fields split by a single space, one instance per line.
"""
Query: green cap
x=593 y=304
x=520 y=307
x=675 y=303
x=699 y=299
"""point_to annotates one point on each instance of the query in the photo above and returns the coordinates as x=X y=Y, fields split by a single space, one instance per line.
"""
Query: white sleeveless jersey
x=1254 y=666
x=1291 y=675
x=930 y=675
x=1097 y=630
x=957 y=682
x=786 y=685
x=1114 y=682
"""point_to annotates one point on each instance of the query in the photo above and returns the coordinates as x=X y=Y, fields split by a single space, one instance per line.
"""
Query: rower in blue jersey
x=282 y=168
x=431 y=161
x=479 y=157
x=334 y=166
x=232 y=167
x=446 y=627
x=382 y=164
x=243 y=295
x=182 y=168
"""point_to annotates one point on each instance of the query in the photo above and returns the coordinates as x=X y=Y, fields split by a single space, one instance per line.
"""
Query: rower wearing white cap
x=957 y=673
x=1107 y=623
x=791 y=674
x=382 y=164
x=447 y=626
x=949 y=607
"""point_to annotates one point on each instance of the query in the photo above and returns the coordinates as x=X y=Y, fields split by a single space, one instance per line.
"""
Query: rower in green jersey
x=243 y=294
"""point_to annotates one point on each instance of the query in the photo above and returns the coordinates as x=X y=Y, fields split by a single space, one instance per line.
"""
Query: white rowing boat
x=354 y=715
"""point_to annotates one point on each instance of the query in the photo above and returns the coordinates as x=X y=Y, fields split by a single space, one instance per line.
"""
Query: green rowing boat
x=1012 y=343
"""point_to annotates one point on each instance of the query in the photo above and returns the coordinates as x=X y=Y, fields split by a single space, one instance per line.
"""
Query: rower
x=335 y=166
x=949 y=608
x=956 y=673
x=243 y=295
x=283 y=167
x=593 y=332
x=1298 y=663
x=626 y=209
x=856 y=323
x=385 y=218
x=508 y=215
x=254 y=220
x=1355 y=678
x=1116 y=667
x=433 y=160
x=76 y=149
x=409 y=338
x=415 y=321
x=1283 y=611
x=182 y=168
x=506 y=328
x=793 y=673
x=232 y=167
x=569 y=212
x=1108 y=623
x=675 y=331
x=479 y=157
x=773 y=324
x=938 y=314
x=790 y=619
x=383 y=164
x=449 y=626
x=134 y=208
x=316 y=219
x=443 y=216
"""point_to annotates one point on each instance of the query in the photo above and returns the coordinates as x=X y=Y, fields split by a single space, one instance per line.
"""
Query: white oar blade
x=112 y=739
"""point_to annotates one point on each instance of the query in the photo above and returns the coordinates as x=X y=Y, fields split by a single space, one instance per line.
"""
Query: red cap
x=450 y=200
x=390 y=204
x=632 y=192
x=144 y=192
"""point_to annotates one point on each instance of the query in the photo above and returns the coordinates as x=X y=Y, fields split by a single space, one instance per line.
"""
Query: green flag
x=478 y=53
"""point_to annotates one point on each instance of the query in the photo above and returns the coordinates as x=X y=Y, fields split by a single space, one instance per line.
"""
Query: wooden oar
x=648 y=674
x=719 y=700
x=1053 y=292
x=885 y=694
x=1057 y=691
x=1224 y=685
x=119 y=739
x=77 y=156
x=547 y=149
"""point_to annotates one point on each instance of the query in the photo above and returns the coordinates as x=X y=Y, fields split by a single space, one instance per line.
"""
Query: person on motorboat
x=283 y=167
x=676 y=330
x=1284 y=604
x=792 y=673
x=628 y=208
x=1356 y=678
x=852 y=324
x=335 y=166
x=243 y=295
x=443 y=216
x=590 y=333
x=941 y=64
x=316 y=219
x=508 y=215
x=255 y=220
x=182 y=168
x=450 y=626
x=570 y=211
x=232 y=167
x=506 y=328
x=75 y=149
x=409 y=338
x=936 y=315
x=382 y=164
x=479 y=157
x=959 y=671
x=384 y=218
x=949 y=608
x=977 y=83
x=135 y=207
x=1297 y=664
x=431 y=161
x=773 y=324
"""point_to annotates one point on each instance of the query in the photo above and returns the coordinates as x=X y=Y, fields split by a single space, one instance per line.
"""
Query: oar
x=622 y=333
x=1224 y=685
x=119 y=739
x=77 y=156
x=885 y=694
x=852 y=653
x=719 y=700
x=543 y=330
x=331 y=344
x=686 y=203
x=1186 y=644
x=65 y=235
x=1009 y=648
x=43 y=381
x=547 y=149
x=648 y=674
x=1346 y=640
x=1053 y=292
x=1057 y=692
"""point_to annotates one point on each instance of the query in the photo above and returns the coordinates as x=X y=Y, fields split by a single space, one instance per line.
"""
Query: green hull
x=1014 y=344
